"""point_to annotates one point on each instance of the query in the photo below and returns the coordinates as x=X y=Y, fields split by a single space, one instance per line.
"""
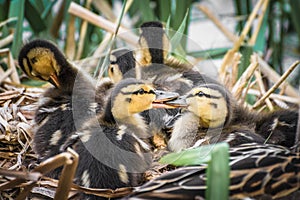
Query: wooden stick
x=217 y=22
x=101 y=22
x=277 y=84
x=272 y=75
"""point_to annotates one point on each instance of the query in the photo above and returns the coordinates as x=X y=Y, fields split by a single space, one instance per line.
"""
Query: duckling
x=121 y=62
x=166 y=74
x=150 y=61
x=111 y=153
x=259 y=171
x=64 y=107
x=213 y=115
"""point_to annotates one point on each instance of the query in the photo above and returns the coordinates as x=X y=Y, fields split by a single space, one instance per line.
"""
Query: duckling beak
x=179 y=102
x=54 y=80
x=162 y=97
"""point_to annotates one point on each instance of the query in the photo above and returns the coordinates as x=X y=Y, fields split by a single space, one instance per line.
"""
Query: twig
x=217 y=22
x=297 y=137
x=277 y=96
x=276 y=85
x=260 y=20
x=274 y=77
x=245 y=77
x=7 y=40
x=101 y=22
x=262 y=89
x=67 y=175
x=83 y=30
x=229 y=55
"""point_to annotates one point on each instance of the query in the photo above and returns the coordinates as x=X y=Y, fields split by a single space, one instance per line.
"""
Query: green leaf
x=195 y=156
x=104 y=65
x=246 y=52
x=210 y=53
x=34 y=18
x=176 y=39
x=218 y=173
x=164 y=9
x=16 y=9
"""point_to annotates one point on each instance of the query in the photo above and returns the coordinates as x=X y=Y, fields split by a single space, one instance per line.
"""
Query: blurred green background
x=23 y=20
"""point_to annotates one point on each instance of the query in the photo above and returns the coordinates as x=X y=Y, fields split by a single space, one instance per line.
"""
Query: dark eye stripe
x=28 y=64
x=206 y=95
x=139 y=92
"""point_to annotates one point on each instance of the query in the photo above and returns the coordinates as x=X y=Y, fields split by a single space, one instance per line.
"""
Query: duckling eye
x=33 y=60
x=200 y=94
x=141 y=91
x=112 y=70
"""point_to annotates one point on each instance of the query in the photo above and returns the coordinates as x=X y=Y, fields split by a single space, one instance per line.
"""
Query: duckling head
x=210 y=102
x=42 y=60
x=121 y=62
x=153 y=44
x=132 y=96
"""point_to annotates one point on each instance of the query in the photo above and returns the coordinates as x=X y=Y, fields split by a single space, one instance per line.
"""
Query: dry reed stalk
x=7 y=40
x=217 y=22
x=70 y=47
x=262 y=89
x=105 y=9
x=82 y=33
x=11 y=65
x=245 y=77
x=101 y=22
x=67 y=175
x=284 y=98
x=288 y=99
x=229 y=55
x=273 y=76
x=259 y=23
x=276 y=85
x=235 y=69
x=245 y=91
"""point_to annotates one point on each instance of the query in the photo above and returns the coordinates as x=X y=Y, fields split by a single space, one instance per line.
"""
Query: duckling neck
x=185 y=132
x=134 y=122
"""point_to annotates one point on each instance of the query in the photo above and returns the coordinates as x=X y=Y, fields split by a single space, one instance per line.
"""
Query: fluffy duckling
x=63 y=107
x=111 y=153
x=213 y=115
x=150 y=62
x=256 y=171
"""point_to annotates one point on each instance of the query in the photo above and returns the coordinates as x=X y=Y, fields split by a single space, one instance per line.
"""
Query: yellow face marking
x=133 y=99
x=209 y=105
x=43 y=64
x=143 y=56
x=114 y=73
x=142 y=100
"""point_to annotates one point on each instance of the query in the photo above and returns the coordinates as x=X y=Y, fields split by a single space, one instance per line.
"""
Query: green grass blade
x=176 y=39
x=164 y=9
x=210 y=53
x=104 y=65
x=16 y=9
x=193 y=156
x=246 y=52
x=218 y=173
x=34 y=18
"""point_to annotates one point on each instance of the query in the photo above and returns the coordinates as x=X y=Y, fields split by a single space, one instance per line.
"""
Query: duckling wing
x=110 y=156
